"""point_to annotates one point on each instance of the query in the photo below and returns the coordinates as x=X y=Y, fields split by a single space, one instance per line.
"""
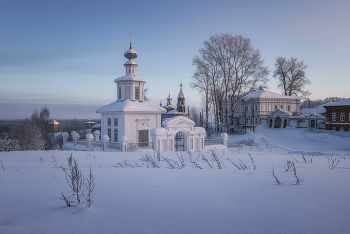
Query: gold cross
x=130 y=36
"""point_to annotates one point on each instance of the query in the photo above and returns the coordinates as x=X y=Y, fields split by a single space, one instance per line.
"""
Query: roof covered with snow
x=308 y=111
x=130 y=62
x=279 y=111
x=174 y=120
x=129 y=77
x=53 y=122
x=322 y=105
x=345 y=102
x=266 y=94
x=131 y=106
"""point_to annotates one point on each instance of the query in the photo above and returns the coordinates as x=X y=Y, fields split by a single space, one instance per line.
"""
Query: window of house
x=275 y=107
x=137 y=92
x=281 y=107
x=109 y=133
x=120 y=92
x=334 y=128
x=109 y=122
x=115 y=122
x=334 y=116
x=256 y=107
x=342 y=129
x=288 y=108
x=342 y=117
x=116 y=135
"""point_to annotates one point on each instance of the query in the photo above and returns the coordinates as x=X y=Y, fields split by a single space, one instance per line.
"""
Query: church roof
x=130 y=77
x=131 y=106
x=266 y=94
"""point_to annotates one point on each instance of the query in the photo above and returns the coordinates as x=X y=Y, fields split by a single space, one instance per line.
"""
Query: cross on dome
x=130 y=36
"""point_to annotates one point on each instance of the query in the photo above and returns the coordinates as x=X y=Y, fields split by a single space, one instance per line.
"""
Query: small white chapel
x=132 y=120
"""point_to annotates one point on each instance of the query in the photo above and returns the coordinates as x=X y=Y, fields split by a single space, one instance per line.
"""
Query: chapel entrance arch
x=180 y=141
x=278 y=122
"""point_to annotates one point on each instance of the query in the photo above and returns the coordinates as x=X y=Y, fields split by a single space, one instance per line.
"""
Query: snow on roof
x=158 y=131
x=345 y=102
x=130 y=51
x=170 y=106
x=130 y=77
x=315 y=114
x=54 y=122
x=308 y=111
x=173 y=111
x=279 y=111
x=175 y=119
x=266 y=94
x=131 y=106
x=322 y=105
x=130 y=62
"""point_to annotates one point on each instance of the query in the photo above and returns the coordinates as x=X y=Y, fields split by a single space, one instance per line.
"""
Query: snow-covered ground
x=187 y=200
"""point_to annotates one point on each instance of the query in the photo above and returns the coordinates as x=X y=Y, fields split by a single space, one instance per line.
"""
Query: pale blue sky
x=66 y=54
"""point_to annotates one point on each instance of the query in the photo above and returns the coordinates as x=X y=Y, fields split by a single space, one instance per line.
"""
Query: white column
x=75 y=137
x=89 y=138
x=65 y=136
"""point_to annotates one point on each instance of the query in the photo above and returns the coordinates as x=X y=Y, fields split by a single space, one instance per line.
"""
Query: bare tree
x=227 y=68
x=145 y=95
x=291 y=76
x=195 y=115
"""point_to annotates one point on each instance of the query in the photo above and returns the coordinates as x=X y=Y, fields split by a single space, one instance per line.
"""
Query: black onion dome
x=130 y=54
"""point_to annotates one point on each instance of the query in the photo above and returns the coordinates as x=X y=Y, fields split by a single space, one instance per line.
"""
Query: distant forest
x=65 y=124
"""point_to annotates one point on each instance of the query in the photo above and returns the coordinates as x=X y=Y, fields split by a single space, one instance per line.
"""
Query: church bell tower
x=130 y=87
x=181 y=101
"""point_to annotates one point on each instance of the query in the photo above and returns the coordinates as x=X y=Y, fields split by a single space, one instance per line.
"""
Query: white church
x=132 y=120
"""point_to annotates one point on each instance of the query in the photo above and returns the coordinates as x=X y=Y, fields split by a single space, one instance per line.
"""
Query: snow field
x=188 y=200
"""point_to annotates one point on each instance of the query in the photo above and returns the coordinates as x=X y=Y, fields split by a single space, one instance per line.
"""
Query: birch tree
x=291 y=76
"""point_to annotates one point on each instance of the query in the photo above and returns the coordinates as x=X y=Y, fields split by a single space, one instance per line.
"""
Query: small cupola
x=130 y=87
x=169 y=99
x=130 y=65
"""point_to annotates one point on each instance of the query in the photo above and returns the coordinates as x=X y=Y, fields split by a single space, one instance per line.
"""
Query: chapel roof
x=129 y=77
x=131 y=106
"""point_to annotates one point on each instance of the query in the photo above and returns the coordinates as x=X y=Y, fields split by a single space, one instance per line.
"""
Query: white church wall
x=140 y=121
x=112 y=127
